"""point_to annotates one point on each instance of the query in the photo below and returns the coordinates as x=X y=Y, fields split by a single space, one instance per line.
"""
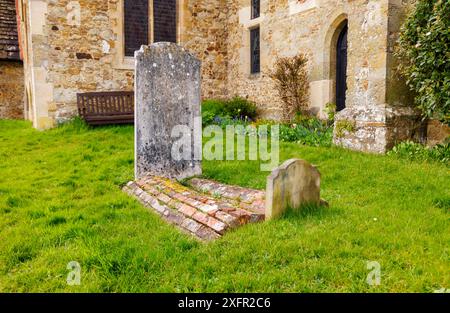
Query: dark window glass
x=255 y=58
x=165 y=20
x=255 y=8
x=136 y=25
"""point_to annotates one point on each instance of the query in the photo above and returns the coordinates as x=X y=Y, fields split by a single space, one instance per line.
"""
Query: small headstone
x=168 y=95
x=292 y=185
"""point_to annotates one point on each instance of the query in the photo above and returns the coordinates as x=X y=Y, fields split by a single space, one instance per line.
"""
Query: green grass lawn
x=60 y=201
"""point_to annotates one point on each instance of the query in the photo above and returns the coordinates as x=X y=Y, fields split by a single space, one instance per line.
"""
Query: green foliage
x=307 y=131
x=210 y=110
x=239 y=108
x=330 y=110
x=443 y=203
x=304 y=130
x=343 y=127
x=424 y=49
x=76 y=123
x=233 y=111
x=415 y=151
x=60 y=201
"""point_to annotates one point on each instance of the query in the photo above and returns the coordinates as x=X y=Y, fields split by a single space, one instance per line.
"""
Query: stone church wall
x=11 y=68
x=289 y=27
x=77 y=46
x=11 y=90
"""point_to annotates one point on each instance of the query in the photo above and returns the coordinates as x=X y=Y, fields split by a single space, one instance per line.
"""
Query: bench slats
x=101 y=108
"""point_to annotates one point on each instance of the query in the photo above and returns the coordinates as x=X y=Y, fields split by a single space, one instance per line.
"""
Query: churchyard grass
x=60 y=201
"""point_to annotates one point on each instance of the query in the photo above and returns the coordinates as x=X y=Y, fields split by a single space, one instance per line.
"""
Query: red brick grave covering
x=206 y=210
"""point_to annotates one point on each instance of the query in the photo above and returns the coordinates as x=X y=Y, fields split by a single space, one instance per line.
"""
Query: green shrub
x=414 y=151
x=424 y=49
x=238 y=111
x=215 y=106
x=308 y=131
x=210 y=110
x=228 y=112
x=239 y=108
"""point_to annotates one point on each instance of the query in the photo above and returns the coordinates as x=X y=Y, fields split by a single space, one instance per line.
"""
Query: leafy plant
x=309 y=131
x=424 y=49
x=330 y=110
x=414 y=151
x=344 y=126
x=291 y=81
x=304 y=130
x=240 y=108
x=234 y=111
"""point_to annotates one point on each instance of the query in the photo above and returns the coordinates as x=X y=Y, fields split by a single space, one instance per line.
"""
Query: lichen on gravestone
x=168 y=113
x=292 y=185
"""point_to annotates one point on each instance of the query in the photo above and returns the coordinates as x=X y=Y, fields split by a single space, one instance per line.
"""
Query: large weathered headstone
x=292 y=185
x=168 y=96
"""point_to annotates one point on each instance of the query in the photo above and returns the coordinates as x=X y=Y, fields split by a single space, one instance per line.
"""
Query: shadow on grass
x=442 y=203
x=78 y=125
x=308 y=211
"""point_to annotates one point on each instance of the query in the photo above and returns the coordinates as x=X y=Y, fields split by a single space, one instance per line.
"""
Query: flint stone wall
x=11 y=90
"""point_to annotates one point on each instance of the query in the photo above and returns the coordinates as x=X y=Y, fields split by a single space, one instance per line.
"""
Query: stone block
x=167 y=98
x=292 y=185
x=437 y=132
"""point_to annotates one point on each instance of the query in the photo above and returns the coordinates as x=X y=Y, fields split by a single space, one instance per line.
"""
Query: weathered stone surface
x=208 y=209
x=293 y=184
x=250 y=199
x=167 y=96
x=12 y=90
x=377 y=129
x=437 y=133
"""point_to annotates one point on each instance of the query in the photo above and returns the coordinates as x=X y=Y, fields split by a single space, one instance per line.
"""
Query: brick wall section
x=136 y=25
x=9 y=45
x=165 y=20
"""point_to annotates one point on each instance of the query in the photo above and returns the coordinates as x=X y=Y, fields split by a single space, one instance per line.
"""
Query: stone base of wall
x=437 y=133
x=378 y=129
x=12 y=90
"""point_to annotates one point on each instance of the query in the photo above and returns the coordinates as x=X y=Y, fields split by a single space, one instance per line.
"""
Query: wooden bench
x=102 y=108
